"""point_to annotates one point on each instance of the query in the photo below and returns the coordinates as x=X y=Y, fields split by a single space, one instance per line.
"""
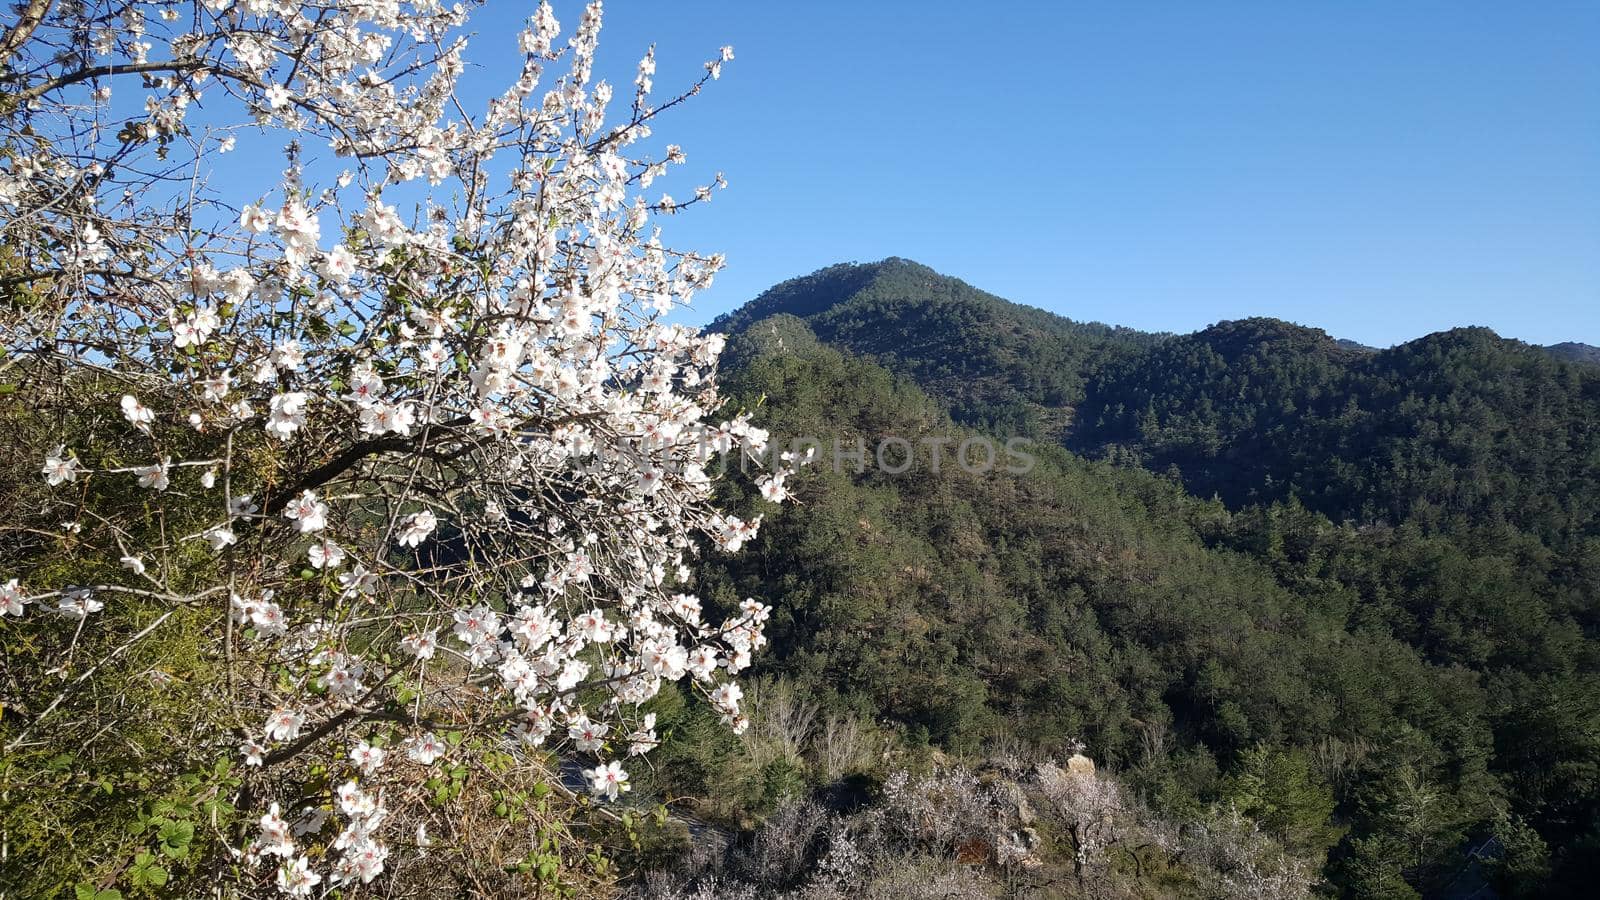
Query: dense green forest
x=1349 y=593
x=1456 y=428
x=992 y=362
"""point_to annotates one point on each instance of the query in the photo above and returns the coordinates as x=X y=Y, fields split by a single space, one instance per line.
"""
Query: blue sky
x=1377 y=169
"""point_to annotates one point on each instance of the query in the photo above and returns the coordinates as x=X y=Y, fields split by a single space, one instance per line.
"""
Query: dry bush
x=964 y=835
x=927 y=877
x=845 y=746
x=788 y=845
x=782 y=722
x=1091 y=808
x=1248 y=863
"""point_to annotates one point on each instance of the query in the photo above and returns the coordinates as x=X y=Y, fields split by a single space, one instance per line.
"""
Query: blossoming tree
x=405 y=428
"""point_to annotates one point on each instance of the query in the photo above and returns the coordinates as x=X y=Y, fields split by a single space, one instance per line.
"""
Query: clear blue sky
x=1377 y=169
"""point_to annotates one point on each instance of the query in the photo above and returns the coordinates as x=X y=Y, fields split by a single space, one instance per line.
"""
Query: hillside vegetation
x=1350 y=595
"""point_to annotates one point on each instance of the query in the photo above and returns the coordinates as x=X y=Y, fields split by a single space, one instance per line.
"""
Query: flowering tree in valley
x=401 y=437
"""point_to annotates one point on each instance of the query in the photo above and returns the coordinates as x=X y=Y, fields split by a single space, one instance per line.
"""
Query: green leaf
x=178 y=834
x=146 y=872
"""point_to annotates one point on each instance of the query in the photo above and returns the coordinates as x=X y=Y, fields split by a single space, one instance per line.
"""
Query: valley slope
x=1351 y=593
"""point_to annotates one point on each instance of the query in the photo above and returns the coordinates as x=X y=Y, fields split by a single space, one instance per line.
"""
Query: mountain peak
x=1573 y=351
x=844 y=294
x=965 y=345
x=1235 y=338
x=806 y=296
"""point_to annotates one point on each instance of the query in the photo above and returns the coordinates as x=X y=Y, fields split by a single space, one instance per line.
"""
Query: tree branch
x=32 y=15
x=61 y=81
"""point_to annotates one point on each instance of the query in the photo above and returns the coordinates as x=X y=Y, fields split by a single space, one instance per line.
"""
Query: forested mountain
x=1351 y=593
x=1573 y=351
x=1457 y=427
x=993 y=362
x=1460 y=426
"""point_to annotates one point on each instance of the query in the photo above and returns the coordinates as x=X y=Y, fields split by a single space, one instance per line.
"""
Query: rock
x=1025 y=813
x=1080 y=765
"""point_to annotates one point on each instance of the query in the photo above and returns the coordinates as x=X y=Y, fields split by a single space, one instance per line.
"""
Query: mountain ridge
x=1574 y=351
x=1250 y=410
x=821 y=291
x=1365 y=661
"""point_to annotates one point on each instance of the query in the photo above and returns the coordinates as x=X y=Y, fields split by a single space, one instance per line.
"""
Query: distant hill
x=1572 y=351
x=994 y=362
x=1374 y=694
x=1459 y=424
x=1355 y=345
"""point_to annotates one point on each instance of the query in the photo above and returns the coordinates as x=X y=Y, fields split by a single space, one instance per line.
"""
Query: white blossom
x=608 y=780
x=60 y=468
x=284 y=725
x=367 y=758
x=220 y=537
x=307 y=512
x=421 y=645
x=12 y=599
x=297 y=879
x=137 y=414
x=325 y=554
x=154 y=476
x=77 y=603
x=415 y=528
x=382 y=341
x=425 y=749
